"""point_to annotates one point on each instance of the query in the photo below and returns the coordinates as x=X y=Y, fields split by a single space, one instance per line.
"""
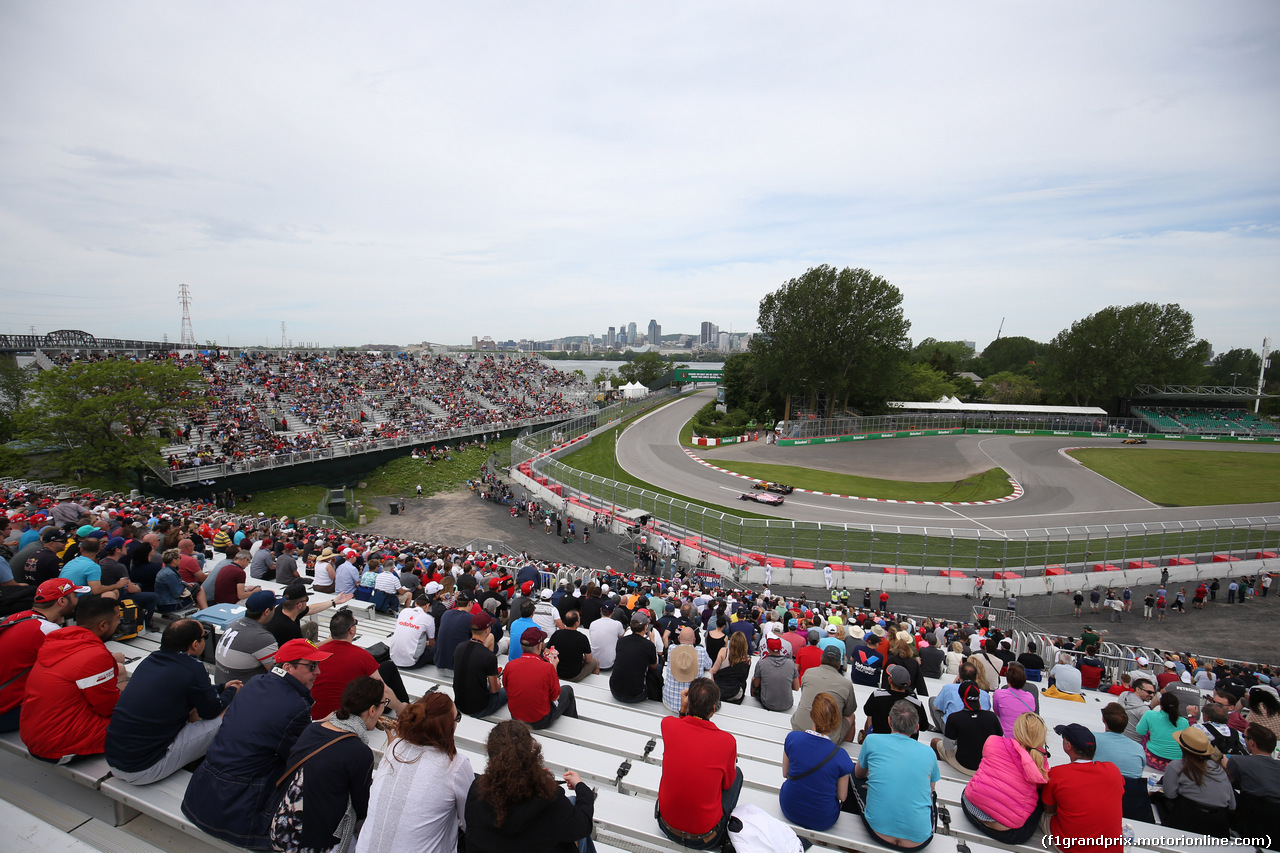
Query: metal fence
x=904 y=548
x=820 y=427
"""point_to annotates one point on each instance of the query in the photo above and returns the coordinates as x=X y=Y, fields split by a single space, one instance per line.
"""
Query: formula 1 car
x=1134 y=441
x=777 y=488
x=762 y=498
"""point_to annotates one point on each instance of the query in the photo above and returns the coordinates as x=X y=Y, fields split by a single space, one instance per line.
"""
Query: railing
x=817 y=427
x=909 y=549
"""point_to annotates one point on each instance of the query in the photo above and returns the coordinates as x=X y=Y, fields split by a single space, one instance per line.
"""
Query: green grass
x=402 y=476
x=293 y=501
x=989 y=485
x=1189 y=477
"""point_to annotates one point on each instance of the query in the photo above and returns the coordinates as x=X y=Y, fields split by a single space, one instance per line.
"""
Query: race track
x=1057 y=491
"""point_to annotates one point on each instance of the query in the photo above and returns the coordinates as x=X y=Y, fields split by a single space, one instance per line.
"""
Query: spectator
x=1014 y=699
x=325 y=572
x=517 y=805
x=827 y=677
x=932 y=660
x=229 y=793
x=475 y=672
x=525 y=621
x=286 y=565
x=532 y=685
x=74 y=686
x=1213 y=722
x=285 y=623
x=954 y=658
x=775 y=680
x=152 y=733
x=948 y=699
x=733 y=667
x=247 y=647
x=262 y=566
x=347 y=662
x=453 y=632
x=1083 y=799
x=685 y=663
x=897 y=807
x=229 y=586
x=867 y=662
x=330 y=770
x=1112 y=745
x=1256 y=777
x=1159 y=724
x=574 y=648
x=636 y=657
x=171 y=593
x=1264 y=708
x=817 y=773
x=1188 y=696
x=1003 y=797
x=1030 y=660
x=1136 y=703
x=1065 y=681
x=413 y=642
x=1197 y=793
x=419 y=794
x=966 y=732
x=700 y=778
x=46 y=564
x=347 y=578
x=880 y=702
x=902 y=652
x=21 y=636
x=605 y=632
x=809 y=656
x=85 y=571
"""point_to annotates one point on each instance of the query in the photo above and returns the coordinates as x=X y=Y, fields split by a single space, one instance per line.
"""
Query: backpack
x=1228 y=744
x=130 y=620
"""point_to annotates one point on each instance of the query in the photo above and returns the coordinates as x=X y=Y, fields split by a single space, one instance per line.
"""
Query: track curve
x=1058 y=492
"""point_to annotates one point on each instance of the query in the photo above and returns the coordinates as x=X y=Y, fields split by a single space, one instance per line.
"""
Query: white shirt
x=604 y=634
x=387 y=582
x=413 y=628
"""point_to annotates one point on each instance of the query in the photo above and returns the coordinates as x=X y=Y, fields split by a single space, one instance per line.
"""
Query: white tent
x=634 y=389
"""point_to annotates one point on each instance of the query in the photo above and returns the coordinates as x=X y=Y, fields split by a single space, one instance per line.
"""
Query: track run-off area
x=1055 y=490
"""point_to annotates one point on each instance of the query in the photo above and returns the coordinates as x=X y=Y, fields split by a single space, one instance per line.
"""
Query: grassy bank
x=989 y=485
x=1189 y=477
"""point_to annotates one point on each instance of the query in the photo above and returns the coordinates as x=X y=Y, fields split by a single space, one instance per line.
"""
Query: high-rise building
x=710 y=336
x=611 y=338
x=655 y=334
x=631 y=333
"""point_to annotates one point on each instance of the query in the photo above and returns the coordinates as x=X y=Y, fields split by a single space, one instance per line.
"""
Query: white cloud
x=397 y=172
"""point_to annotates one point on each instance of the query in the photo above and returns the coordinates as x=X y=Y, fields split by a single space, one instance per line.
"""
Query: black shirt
x=634 y=655
x=341 y=771
x=573 y=646
x=455 y=629
x=970 y=730
x=112 y=572
x=45 y=565
x=472 y=666
x=877 y=708
x=1031 y=660
x=283 y=628
x=144 y=574
x=590 y=610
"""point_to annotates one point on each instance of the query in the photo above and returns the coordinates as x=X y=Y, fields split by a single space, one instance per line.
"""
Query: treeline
x=835 y=341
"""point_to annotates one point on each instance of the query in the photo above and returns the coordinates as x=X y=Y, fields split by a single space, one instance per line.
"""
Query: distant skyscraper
x=612 y=338
x=655 y=333
x=710 y=336
x=631 y=333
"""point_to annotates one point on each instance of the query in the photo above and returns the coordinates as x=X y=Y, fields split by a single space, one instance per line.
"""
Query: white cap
x=1142 y=661
x=831 y=629
x=546 y=593
x=432 y=588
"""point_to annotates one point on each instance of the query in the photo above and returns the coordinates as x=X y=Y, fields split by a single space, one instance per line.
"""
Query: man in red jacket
x=73 y=688
x=701 y=779
x=533 y=686
x=22 y=635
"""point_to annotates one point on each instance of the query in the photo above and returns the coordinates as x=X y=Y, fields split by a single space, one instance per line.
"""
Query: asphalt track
x=1058 y=492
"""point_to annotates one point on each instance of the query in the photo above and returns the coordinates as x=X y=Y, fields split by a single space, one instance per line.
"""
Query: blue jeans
x=496 y=701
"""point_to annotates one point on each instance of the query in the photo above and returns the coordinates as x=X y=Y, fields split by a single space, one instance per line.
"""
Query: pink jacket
x=1009 y=703
x=1007 y=784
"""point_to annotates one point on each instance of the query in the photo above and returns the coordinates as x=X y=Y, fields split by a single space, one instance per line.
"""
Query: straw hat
x=1196 y=742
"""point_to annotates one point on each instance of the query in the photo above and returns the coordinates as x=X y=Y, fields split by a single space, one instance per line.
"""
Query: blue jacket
x=230 y=795
x=169 y=588
x=155 y=705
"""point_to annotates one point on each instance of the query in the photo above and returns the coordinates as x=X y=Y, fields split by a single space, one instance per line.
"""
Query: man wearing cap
x=881 y=700
x=21 y=636
x=83 y=570
x=47 y=562
x=605 y=632
x=635 y=657
x=230 y=585
x=545 y=615
x=347 y=662
x=66 y=512
x=828 y=677
x=247 y=647
x=966 y=731
x=948 y=698
x=701 y=780
x=809 y=656
x=74 y=685
x=534 y=692
x=170 y=712
x=476 y=689
x=685 y=662
x=1083 y=799
x=229 y=794
x=776 y=678
x=286 y=622
x=347 y=578
x=262 y=566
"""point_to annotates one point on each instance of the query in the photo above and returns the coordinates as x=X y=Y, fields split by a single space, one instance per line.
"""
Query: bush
x=713 y=423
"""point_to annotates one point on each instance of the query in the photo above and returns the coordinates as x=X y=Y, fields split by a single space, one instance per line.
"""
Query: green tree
x=835 y=334
x=1104 y=356
x=645 y=368
x=948 y=357
x=108 y=417
x=604 y=374
x=1014 y=354
x=742 y=389
x=1010 y=389
x=1242 y=362
x=922 y=383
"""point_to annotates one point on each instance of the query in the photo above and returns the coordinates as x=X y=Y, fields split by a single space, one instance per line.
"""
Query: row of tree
x=834 y=340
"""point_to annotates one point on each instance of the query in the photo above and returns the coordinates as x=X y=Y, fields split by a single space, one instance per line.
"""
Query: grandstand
x=616 y=748
x=1205 y=421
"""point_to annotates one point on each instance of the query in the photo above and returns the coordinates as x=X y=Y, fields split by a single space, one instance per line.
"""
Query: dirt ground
x=1241 y=631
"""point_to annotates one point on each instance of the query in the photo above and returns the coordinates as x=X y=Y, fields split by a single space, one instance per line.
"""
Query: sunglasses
x=309 y=664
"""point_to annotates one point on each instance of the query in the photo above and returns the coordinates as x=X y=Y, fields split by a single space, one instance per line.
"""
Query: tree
x=646 y=368
x=603 y=375
x=1010 y=389
x=948 y=357
x=109 y=416
x=921 y=383
x=835 y=334
x=1014 y=354
x=1242 y=362
x=1104 y=356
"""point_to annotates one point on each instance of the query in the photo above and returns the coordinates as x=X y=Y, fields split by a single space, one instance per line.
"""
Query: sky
x=400 y=172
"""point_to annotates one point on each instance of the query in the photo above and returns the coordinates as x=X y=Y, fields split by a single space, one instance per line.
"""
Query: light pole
x=1234 y=377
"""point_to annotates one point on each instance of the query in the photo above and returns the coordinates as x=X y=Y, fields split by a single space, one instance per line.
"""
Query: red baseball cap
x=55 y=588
x=526 y=587
x=300 y=650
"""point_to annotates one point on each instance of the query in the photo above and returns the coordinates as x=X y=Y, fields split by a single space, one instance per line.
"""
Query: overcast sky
x=399 y=172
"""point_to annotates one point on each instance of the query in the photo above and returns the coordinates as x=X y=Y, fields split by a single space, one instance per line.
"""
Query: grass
x=989 y=485
x=1189 y=477
x=293 y=501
